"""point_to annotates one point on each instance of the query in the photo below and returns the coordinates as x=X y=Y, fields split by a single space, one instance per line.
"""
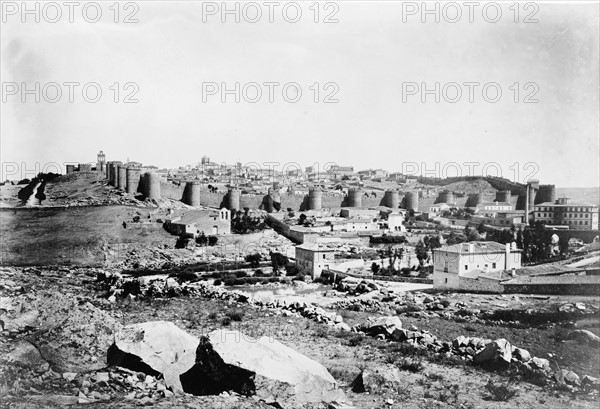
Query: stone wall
x=170 y=191
x=479 y=285
x=555 y=285
x=299 y=202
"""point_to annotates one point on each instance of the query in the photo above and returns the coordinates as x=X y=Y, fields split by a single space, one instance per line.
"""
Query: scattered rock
x=25 y=354
x=498 y=352
x=564 y=376
x=590 y=383
x=540 y=364
x=377 y=379
x=521 y=354
x=384 y=325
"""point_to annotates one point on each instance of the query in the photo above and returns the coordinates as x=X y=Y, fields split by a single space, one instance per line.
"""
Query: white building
x=437 y=209
x=576 y=215
x=469 y=260
x=491 y=209
x=313 y=258
x=395 y=221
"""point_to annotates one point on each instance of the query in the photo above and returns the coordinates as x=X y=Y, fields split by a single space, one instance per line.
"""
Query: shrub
x=240 y=274
x=218 y=282
x=131 y=287
x=320 y=332
x=355 y=340
x=239 y=281
x=354 y=307
x=235 y=315
x=182 y=242
x=273 y=279
x=259 y=273
x=501 y=392
x=410 y=364
x=230 y=281
x=226 y=321
x=292 y=271
x=213 y=316
x=253 y=259
x=186 y=276
x=299 y=277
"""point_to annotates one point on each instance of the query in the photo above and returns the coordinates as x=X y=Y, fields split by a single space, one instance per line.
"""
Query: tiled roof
x=480 y=247
x=570 y=204
x=494 y=204
x=313 y=247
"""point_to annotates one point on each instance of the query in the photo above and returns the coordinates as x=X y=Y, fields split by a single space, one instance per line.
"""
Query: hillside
x=81 y=235
x=495 y=182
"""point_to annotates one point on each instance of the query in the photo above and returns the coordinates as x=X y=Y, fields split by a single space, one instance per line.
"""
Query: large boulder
x=584 y=336
x=228 y=360
x=496 y=353
x=156 y=347
x=377 y=379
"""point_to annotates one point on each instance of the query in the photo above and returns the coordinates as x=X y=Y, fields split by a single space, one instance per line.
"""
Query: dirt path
x=33 y=201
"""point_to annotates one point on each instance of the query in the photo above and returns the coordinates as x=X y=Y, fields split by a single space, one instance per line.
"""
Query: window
x=466 y=267
x=446 y=280
x=493 y=265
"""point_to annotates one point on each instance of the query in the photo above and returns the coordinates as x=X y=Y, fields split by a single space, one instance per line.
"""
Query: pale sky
x=369 y=53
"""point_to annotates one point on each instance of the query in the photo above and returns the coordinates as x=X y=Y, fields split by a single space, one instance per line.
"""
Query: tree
x=421 y=253
x=302 y=219
x=213 y=240
x=473 y=235
x=278 y=261
x=182 y=242
x=202 y=239
x=455 y=238
x=253 y=259
x=375 y=268
x=520 y=239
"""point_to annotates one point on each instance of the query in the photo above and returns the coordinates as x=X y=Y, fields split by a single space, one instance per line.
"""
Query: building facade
x=491 y=209
x=563 y=212
x=313 y=258
x=202 y=222
x=469 y=260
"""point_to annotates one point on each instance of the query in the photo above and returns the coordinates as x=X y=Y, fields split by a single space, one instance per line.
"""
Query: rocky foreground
x=89 y=337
